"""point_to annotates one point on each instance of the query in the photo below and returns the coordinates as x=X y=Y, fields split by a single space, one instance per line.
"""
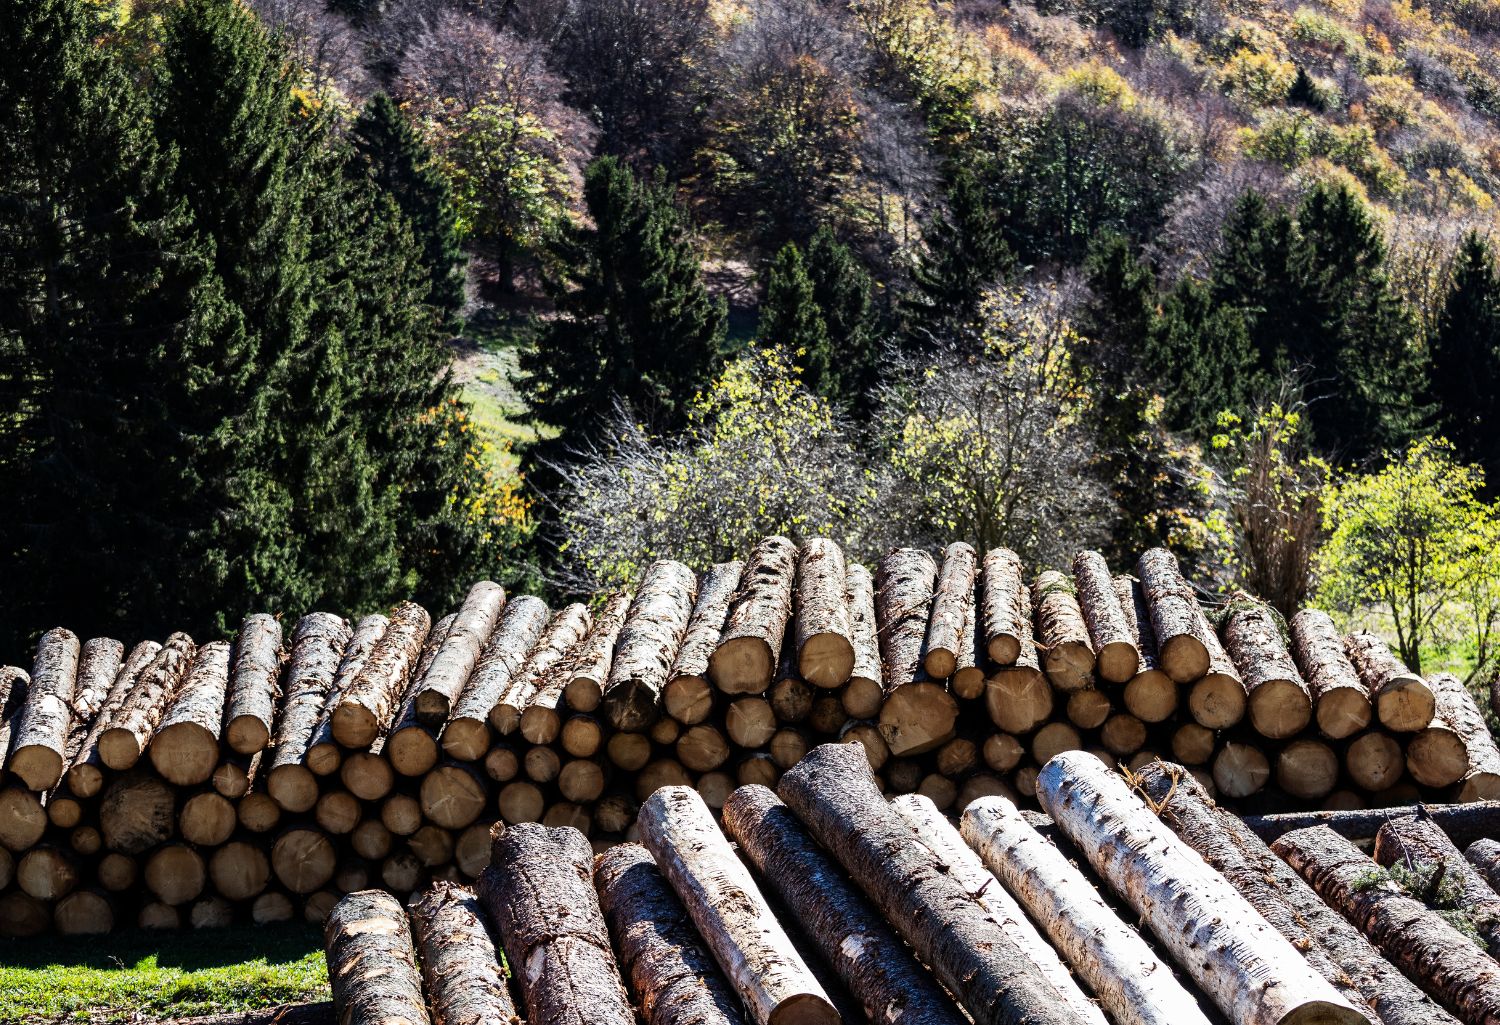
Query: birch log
x=1341 y=701
x=648 y=643
x=688 y=696
x=467 y=733
x=825 y=649
x=372 y=967
x=443 y=683
x=40 y=735
x=746 y=655
x=250 y=705
x=460 y=969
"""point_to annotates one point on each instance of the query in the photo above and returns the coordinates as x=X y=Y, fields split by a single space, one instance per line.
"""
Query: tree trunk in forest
x=443 y=683
x=1110 y=633
x=1280 y=701
x=1174 y=616
x=1341 y=701
x=750 y=643
x=821 y=638
x=372 y=965
x=1403 y=701
x=648 y=643
x=688 y=695
x=461 y=971
x=185 y=747
x=250 y=706
x=467 y=733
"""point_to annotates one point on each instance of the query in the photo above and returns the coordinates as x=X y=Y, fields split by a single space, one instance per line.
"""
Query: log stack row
x=177 y=782
x=1135 y=901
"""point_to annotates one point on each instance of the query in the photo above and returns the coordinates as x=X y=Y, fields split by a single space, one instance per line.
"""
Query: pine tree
x=1304 y=92
x=966 y=253
x=400 y=162
x=1466 y=360
x=791 y=319
x=1252 y=273
x=1200 y=357
x=635 y=321
x=842 y=289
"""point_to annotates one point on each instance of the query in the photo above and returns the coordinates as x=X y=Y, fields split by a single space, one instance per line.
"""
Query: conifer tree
x=966 y=253
x=1252 y=273
x=1466 y=360
x=842 y=289
x=635 y=321
x=1200 y=357
x=400 y=163
x=791 y=319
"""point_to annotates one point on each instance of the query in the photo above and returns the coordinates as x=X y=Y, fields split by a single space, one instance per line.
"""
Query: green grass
x=127 y=975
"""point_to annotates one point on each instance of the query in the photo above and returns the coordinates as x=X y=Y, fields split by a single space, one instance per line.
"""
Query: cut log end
x=1280 y=709
x=918 y=718
x=742 y=665
x=1405 y=704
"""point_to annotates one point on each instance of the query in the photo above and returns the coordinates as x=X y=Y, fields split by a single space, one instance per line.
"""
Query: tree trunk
x=467 y=734
x=702 y=748
x=175 y=874
x=1218 y=699
x=207 y=819
x=1062 y=636
x=952 y=606
x=239 y=871
x=1341 y=701
x=250 y=707
x=372 y=966
x=410 y=746
x=568 y=629
x=1017 y=696
x=1130 y=981
x=674 y=979
x=1415 y=939
x=1374 y=761
x=1334 y=948
x=1150 y=694
x=85 y=770
x=98 y=665
x=1280 y=700
x=1174 y=616
x=647 y=646
x=848 y=933
x=454 y=662
x=918 y=714
x=461 y=971
x=318 y=644
x=590 y=670
x=688 y=695
x=1484 y=856
x=47 y=872
x=83 y=913
x=750 y=722
x=1240 y=770
x=1253 y=974
x=323 y=753
x=1403 y=701
x=368 y=703
x=747 y=651
x=185 y=747
x=834 y=793
x=749 y=944
x=1006 y=606
x=1110 y=633
x=1456 y=745
x=1088 y=709
x=825 y=649
x=564 y=963
x=1417 y=842
x=123 y=739
x=40 y=734
x=864 y=691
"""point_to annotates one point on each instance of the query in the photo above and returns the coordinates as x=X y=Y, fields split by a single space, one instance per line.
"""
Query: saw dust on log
x=688 y=696
x=1341 y=701
x=824 y=647
x=368 y=703
x=918 y=713
x=185 y=747
x=750 y=643
x=1403 y=701
x=372 y=966
x=467 y=733
x=251 y=703
x=443 y=683
x=648 y=643
x=460 y=967
x=1110 y=632
x=1280 y=702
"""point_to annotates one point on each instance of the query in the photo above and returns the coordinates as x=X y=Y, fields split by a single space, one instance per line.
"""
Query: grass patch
x=131 y=974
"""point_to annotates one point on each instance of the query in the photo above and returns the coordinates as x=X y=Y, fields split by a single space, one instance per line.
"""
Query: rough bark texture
x=747 y=941
x=1005 y=603
x=540 y=897
x=455 y=659
x=1341 y=701
x=323 y=752
x=918 y=714
x=85 y=770
x=40 y=735
x=185 y=747
x=460 y=968
x=123 y=739
x=1484 y=856
x=1416 y=842
x=1465 y=823
x=1252 y=973
x=318 y=643
x=745 y=657
x=410 y=745
x=1130 y=981
x=1017 y=696
x=371 y=963
x=673 y=978
x=865 y=689
x=1280 y=700
x=688 y=696
x=98 y=666
x=1062 y=636
x=1456 y=746
x=648 y=643
x=1218 y=699
x=568 y=628
x=847 y=932
x=1110 y=631
x=1420 y=942
x=467 y=734
x=833 y=791
x=821 y=634
x=590 y=669
x=250 y=708
x=369 y=702
x=1334 y=948
x=1174 y=616
x=1403 y=701
x=952 y=607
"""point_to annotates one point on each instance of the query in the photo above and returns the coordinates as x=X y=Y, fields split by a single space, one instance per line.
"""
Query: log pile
x=176 y=781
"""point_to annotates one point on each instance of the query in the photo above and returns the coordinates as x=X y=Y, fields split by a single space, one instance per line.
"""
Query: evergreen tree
x=401 y=164
x=1252 y=273
x=842 y=289
x=791 y=318
x=1304 y=92
x=1200 y=357
x=965 y=253
x=1466 y=360
x=635 y=321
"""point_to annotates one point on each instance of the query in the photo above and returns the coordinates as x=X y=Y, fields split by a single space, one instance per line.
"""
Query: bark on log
x=1006 y=606
x=366 y=706
x=1174 y=616
x=673 y=978
x=1062 y=636
x=323 y=752
x=1335 y=949
x=372 y=965
x=40 y=735
x=590 y=669
x=1403 y=701
x=14 y=682
x=952 y=607
x=1484 y=856
x=648 y=643
x=318 y=644
x=745 y=657
x=1017 y=696
x=98 y=667
x=1251 y=972
x=250 y=707
x=461 y=971
x=568 y=628
x=748 y=943
x=539 y=894
x=1456 y=746
x=1416 y=842
x=833 y=791
x=85 y=770
x=185 y=747
x=1280 y=700
x=1130 y=981
x=863 y=693
x=847 y=932
x=825 y=649
x=1341 y=701
x=454 y=662
x=1415 y=939
x=467 y=734
x=918 y=714
x=410 y=746
x=123 y=739
x=1110 y=632
x=688 y=695
x=1150 y=694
